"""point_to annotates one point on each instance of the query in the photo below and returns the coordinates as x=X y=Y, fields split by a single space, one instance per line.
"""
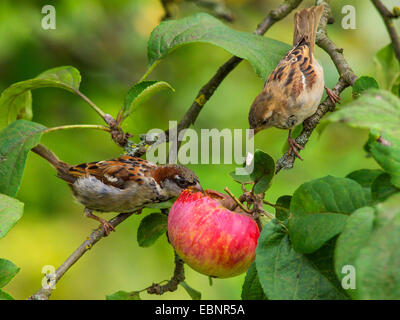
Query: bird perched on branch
x=125 y=184
x=294 y=89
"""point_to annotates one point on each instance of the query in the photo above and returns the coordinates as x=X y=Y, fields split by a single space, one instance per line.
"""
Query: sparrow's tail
x=61 y=167
x=306 y=24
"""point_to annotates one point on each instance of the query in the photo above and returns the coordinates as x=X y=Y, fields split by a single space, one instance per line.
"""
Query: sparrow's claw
x=333 y=96
x=293 y=147
x=108 y=227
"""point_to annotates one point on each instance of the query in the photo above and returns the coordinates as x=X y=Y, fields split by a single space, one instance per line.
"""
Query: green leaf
x=65 y=77
x=387 y=67
x=396 y=87
x=378 y=263
x=252 y=289
x=23 y=103
x=262 y=53
x=362 y=84
x=382 y=188
x=374 y=109
x=5 y=296
x=8 y=270
x=123 y=295
x=365 y=177
x=151 y=228
x=263 y=171
x=242 y=178
x=194 y=294
x=328 y=194
x=386 y=210
x=323 y=261
x=352 y=239
x=15 y=142
x=284 y=202
x=309 y=232
x=286 y=274
x=11 y=211
x=388 y=157
x=16 y=101
x=396 y=90
x=141 y=92
x=319 y=210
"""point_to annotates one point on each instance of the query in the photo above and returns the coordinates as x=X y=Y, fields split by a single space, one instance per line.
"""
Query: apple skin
x=210 y=238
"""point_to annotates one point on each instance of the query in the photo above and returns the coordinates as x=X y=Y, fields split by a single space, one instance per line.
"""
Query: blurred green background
x=106 y=41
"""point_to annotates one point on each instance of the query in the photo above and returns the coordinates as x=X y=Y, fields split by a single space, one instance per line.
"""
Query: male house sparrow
x=125 y=184
x=294 y=89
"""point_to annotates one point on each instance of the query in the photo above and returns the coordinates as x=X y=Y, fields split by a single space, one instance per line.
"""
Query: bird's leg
x=333 y=96
x=108 y=227
x=294 y=146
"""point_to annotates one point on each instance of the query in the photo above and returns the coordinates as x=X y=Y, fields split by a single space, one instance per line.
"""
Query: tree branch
x=106 y=117
x=388 y=17
x=189 y=118
x=167 y=12
x=347 y=78
x=209 y=88
x=171 y=285
x=92 y=239
x=218 y=8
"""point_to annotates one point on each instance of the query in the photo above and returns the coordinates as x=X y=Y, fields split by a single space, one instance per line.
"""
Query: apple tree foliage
x=339 y=237
x=333 y=238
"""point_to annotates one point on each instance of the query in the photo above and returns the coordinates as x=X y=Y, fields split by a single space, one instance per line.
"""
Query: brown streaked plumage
x=124 y=184
x=294 y=89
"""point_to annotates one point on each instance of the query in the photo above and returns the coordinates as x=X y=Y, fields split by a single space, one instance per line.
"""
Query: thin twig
x=189 y=118
x=275 y=205
x=347 y=78
x=237 y=200
x=92 y=239
x=388 y=17
x=218 y=8
x=78 y=126
x=117 y=134
x=106 y=117
x=209 y=88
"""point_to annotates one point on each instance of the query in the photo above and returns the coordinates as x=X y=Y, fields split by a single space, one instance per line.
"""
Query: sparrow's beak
x=196 y=188
x=253 y=132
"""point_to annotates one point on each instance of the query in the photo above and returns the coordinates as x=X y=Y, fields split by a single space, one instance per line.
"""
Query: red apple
x=210 y=238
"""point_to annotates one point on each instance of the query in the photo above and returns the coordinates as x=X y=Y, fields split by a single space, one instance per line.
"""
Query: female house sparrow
x=294 y=89
x=125 y=184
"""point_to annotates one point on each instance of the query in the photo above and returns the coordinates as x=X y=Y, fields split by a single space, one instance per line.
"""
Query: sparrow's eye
x=182 y=182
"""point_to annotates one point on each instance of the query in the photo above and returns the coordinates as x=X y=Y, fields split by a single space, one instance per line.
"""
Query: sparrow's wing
x=116 y=172
x=294 y=73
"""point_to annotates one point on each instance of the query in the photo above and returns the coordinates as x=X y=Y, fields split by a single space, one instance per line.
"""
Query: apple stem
x=237 y=200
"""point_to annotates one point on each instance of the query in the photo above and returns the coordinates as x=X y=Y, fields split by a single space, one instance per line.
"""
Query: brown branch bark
x=209 y=88
x=347 y=78
x=189 y=118
x=388 y=17
x=218 y=8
